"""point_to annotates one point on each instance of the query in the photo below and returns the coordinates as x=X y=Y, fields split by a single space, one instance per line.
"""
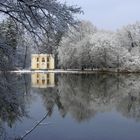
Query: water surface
x=78 y=106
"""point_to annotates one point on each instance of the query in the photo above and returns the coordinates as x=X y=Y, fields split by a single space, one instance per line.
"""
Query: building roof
x=43 y=55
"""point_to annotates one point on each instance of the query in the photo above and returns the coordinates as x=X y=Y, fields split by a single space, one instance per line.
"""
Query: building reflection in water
x=43 y=80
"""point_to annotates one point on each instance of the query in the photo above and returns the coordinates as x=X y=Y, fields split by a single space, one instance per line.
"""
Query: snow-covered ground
x=78 y=71
x=53 y=71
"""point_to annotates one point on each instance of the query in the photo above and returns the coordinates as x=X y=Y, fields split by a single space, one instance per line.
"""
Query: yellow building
x=43 y=80
x=42 y=61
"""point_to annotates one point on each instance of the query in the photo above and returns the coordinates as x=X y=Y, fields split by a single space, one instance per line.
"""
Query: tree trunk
x=25 y=56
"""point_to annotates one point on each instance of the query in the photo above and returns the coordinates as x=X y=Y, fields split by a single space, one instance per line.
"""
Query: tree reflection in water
x=13 y=89
x=85 y=95
x=82 y=96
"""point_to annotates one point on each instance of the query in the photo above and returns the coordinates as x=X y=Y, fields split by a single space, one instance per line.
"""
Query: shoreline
x=75 y=71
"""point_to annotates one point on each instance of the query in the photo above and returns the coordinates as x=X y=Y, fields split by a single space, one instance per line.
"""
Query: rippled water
x=69 y=107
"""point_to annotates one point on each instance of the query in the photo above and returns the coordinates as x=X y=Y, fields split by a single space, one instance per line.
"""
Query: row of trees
x=52 y=28
x=82 y=47
x=86 y=47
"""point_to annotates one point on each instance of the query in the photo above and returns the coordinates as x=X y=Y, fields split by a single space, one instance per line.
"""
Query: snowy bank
x=78 y=71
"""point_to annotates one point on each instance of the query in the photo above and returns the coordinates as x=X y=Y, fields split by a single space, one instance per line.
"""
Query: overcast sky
x=109 y=14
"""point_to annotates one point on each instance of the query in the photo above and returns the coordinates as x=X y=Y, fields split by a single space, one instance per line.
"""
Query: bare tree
x=48 y=17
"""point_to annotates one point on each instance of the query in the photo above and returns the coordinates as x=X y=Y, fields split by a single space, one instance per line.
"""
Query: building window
x=37 y=75
x=48 y=81
x=37 y=81
x=43 y=81
x=48 y=76
x=37 y=66
x=37 y=59
x=48 y=65
x=48 y=59
x=43 y=59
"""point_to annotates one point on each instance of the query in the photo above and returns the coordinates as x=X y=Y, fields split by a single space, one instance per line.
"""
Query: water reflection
x=85 y=95
x=44 y=85
x=43 y=80
x=80 y=96
x=13 y=90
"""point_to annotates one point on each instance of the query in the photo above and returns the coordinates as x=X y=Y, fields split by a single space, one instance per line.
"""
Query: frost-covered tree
x=75 y=46
x=25 y=47
x=8 y=43
x=40 y=17
x=106 y=51
x=129 y=38
x=10 y=33
x=91 y=48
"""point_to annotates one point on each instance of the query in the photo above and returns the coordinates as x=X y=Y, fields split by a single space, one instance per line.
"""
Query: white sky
x=109 y=14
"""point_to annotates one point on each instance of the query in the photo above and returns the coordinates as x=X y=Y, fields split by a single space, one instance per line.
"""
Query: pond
x=42 y=106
